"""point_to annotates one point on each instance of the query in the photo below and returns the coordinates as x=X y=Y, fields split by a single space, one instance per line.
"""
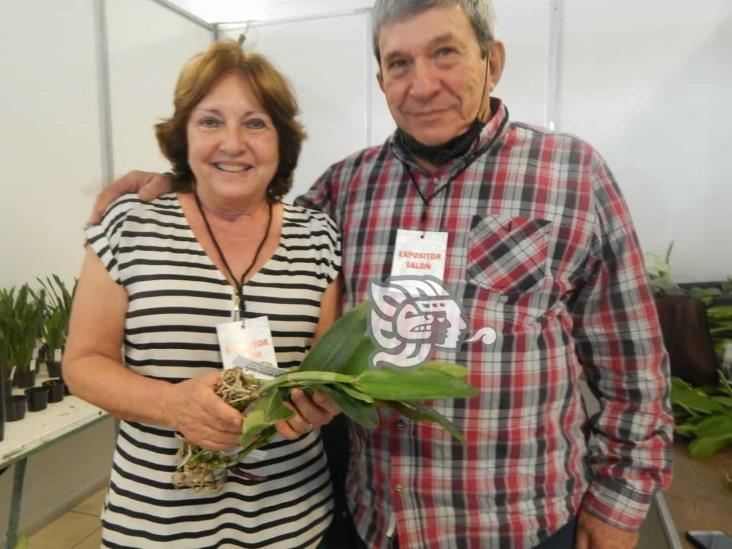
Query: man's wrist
x=619 y=511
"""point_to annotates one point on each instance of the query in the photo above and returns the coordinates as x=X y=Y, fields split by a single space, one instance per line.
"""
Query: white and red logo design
x=410 y=315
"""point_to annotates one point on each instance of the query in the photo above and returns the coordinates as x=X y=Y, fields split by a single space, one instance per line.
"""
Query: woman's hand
x=309 y=413
x=193 y=408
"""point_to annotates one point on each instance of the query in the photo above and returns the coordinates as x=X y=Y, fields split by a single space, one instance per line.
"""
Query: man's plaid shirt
x=542 y=249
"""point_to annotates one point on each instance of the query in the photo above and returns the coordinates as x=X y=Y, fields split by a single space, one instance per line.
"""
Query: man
x=541 y=249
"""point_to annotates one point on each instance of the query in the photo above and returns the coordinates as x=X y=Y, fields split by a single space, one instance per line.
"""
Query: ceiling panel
x=222 y=11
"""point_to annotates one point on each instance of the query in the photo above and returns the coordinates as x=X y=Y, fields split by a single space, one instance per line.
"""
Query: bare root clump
x=204 y=470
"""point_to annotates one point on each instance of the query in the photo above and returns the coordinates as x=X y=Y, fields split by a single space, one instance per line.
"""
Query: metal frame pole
x=554 y=65
x=185 y=14
x=14 y=515
x=278 y=21
x=369 y=84
x=104 y=93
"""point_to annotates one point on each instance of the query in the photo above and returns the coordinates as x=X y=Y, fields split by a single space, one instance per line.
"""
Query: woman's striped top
x=176 y=298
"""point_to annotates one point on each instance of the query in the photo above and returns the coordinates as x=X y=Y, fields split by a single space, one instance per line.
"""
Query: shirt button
x=398 y=487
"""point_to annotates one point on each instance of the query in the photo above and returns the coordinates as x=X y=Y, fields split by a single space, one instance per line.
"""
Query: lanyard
x=239 y=303
x=426 y=199
x=467 y=161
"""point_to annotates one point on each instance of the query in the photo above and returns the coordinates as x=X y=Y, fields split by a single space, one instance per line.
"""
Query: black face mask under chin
x=440 y=154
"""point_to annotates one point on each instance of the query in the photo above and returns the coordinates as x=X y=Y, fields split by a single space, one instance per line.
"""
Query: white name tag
x=248 y=345
x=419 y=253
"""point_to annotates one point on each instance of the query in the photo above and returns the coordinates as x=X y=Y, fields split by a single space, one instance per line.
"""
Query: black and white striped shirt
x=176 y=298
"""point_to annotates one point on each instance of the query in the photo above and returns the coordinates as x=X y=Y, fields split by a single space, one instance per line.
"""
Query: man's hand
x=593 y=533
x=193 y=408
x=309 y=413
x=147 y=185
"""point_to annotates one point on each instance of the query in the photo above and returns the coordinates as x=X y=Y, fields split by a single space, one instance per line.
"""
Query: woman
x=160 y=277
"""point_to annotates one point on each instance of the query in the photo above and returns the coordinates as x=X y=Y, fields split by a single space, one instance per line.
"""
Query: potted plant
x=6 y=316
x=56 y=321
x=684 y=323
x=696 y=320
x=718 y=301
x=22 y=328
x=56 y=389
x=4 y=379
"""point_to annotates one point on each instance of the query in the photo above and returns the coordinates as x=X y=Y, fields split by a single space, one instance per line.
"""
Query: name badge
x=419 y=253
x=248 y=345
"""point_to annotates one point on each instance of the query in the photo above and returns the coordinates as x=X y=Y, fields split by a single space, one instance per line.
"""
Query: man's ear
x=380 y=80
x=496 y=62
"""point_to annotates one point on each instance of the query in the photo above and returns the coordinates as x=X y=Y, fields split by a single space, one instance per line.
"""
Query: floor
x=77 y=529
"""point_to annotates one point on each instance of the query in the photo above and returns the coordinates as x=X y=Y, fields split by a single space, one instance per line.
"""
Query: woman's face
x=232 y=144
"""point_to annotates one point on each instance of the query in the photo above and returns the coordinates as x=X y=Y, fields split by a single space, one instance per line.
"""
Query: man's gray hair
x=479 y=12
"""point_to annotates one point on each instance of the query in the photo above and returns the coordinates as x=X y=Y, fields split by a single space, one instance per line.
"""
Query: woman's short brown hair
x=271 y=89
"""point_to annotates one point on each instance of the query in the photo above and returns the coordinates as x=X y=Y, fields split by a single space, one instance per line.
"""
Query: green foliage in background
x=719 y=317
x=57 y=311
x=21 y=321
x=704 y=415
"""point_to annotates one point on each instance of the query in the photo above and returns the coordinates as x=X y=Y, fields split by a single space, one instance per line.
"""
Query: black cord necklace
x=239 y=303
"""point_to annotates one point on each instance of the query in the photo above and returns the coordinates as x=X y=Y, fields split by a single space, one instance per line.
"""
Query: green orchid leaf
x=455 y=370
x=687 y=430
x=264 y=437
x=334 y=348
x=360 y=359
x=414 y=384
x=724 y=401
x=422 y=412
x=694 y=400
x=708 y=446
x=265 y=412
x=351 y=391
x=719 y=313
x=361 y=412
x=714 y=426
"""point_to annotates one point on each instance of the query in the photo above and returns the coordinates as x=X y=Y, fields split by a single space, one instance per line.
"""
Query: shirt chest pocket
x=507 y=254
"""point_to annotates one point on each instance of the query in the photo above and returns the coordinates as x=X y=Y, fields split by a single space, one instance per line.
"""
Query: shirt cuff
x=625 y=508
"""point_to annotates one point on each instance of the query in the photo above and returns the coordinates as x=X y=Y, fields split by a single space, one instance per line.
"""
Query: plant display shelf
x=39 y=430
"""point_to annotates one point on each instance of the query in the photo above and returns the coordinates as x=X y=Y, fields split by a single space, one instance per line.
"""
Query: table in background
x=33 y=433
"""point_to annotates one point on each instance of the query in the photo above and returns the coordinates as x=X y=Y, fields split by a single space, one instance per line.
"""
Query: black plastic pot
x=56 y=389
x=54 y=368
x=24 y=378
x=37 y=398
x=43 y=353
x=7 y=384
x=15 y=408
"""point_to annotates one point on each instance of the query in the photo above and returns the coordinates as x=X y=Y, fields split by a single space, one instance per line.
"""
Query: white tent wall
x=649 y=85
x=326 y=60
x=50 y=159
x=148 y=45
x=523 y=27
x=50 y=136
x=333 y=72
x=52 y=170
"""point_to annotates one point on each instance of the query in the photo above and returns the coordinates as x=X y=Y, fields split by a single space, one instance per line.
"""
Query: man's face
x=433 y=74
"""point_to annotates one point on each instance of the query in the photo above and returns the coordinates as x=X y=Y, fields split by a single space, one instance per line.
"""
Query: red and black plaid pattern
x=541 y=248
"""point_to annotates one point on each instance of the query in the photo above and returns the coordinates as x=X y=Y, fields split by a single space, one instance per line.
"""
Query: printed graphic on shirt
x=411 y=315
